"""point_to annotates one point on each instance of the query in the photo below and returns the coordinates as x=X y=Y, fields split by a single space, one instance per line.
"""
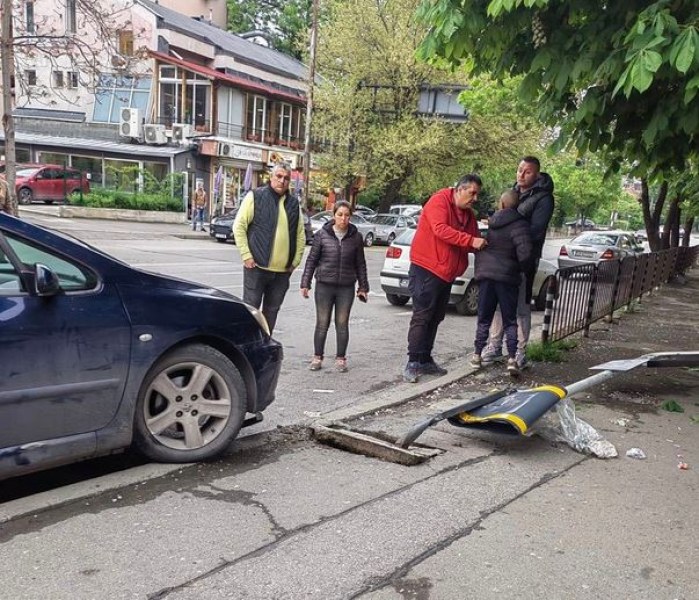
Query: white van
x=407 y=210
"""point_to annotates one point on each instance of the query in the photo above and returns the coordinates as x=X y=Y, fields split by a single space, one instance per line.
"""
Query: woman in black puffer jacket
x=337 y=259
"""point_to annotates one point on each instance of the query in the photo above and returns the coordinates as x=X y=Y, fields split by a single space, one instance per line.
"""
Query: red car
x=48 y=183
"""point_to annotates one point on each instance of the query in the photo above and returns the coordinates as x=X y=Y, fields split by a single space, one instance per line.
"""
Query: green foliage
x=622 y=78
x=551 y=351
x=672 y=406
x=102 y=198
x=286 y=24
x=156 y=195
x=366 y=106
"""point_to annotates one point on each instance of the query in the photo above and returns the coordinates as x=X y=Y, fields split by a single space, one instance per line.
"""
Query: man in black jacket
x=536 y=203
x=498 y=271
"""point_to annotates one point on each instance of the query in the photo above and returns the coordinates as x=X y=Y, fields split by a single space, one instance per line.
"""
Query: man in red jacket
x=447 y=231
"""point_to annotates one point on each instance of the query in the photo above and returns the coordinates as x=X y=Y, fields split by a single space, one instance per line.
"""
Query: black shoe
x=432 y=368
x=411 y=373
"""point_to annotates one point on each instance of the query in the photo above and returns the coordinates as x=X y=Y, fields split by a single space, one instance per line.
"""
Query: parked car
x=641 y=235
x=49 y=183
x=596 y=247
x=581 y=224
x=366 y=228
x=407 y=210
x=221 y=227
x=464 y=291
x=97 y=356
x=364 y=211
x=389 y=227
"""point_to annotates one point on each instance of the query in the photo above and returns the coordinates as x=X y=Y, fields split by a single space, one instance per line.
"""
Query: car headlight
x=259 y=317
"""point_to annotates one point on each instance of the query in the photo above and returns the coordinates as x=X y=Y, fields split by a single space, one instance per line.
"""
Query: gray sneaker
x=411 y=373
x=522 y=362
x=476 y=360
x=512 y=367
x=432 y=368
x=492 y=355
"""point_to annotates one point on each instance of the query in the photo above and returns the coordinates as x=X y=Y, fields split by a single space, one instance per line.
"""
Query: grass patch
x=553 y=352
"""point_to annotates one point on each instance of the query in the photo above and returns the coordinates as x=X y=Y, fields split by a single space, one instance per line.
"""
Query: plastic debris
x=311 y=413
x=621 y=422
x=636 y=453
x=564 y=426
x=683 y=466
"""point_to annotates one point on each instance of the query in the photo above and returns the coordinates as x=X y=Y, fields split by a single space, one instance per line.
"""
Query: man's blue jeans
x=198 y=217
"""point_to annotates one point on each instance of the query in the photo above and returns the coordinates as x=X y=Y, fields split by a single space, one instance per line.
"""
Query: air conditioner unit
x=130 y=122
x=225 y=149
x=181 y=131
x=154 y=134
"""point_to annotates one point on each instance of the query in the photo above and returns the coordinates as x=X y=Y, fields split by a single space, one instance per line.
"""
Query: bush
x=102 y=198
x=550 y=352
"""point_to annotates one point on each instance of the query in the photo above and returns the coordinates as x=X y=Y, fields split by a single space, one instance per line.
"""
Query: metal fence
x=581 y=295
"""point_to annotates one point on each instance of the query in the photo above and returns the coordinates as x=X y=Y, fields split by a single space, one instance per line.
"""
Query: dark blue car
x=96 y=356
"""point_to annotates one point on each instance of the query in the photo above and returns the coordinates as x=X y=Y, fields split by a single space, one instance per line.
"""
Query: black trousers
x=430 y=296
x=267 y=289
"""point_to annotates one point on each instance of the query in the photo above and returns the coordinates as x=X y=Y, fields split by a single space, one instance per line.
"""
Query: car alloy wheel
x=369 y=240
x=25 y=196
x=468 y=304
x=390 y=239
x=191 y=406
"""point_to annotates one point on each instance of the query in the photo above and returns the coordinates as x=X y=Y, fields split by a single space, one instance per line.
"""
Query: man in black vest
x=269 y=233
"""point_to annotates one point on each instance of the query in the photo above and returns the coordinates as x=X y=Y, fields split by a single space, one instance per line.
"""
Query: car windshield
x=385 y=220
x=596 y=239
x=26 y=172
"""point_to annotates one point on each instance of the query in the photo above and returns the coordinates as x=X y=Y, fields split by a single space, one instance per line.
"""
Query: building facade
x=172 y=93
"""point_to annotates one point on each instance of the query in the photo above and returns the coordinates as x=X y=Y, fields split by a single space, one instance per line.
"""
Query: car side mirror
x=46 y=281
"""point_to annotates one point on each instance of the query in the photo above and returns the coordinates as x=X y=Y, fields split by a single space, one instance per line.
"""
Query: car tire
x=390 y=239
x=200 y=380
x=48 y=201
x=25 y=196
x=369 y=240
x=540 y=301
x=397 y=300
x=468 y=303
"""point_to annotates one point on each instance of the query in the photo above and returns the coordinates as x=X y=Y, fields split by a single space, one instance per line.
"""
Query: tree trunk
x=7 y=66
x=390 y=194
x=651 y=218
x=688 y=226
x=671 y=229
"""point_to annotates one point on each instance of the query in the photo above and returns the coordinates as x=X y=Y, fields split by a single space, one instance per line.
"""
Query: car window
x=385 y=220
x=10 y=281
x=401 y=222
x=26 y=172
x=405 y=238
x=71 y=276
x=598 y=240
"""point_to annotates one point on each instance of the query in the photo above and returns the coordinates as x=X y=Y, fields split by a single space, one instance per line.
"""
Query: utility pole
x=7 y=65
x=309 y=107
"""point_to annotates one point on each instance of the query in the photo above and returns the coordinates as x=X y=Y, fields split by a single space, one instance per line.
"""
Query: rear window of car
x=598 y=240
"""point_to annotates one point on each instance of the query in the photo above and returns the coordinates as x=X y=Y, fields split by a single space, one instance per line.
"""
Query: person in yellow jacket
x=269 y=233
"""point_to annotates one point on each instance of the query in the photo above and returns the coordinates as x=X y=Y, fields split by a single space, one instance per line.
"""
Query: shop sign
x=246 y=153
x=276 y=157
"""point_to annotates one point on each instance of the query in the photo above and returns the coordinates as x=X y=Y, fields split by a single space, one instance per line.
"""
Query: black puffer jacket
x=509 y=249
x=536 y=205
x=334 y=261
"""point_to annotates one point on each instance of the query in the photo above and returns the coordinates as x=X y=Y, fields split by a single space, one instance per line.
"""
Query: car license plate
x=583 y=254
x=221 y=236
x=403 y=283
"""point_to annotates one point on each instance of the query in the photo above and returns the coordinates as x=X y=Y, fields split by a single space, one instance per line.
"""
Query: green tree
x=367 y=99
x=285 y=24
x=620 y=78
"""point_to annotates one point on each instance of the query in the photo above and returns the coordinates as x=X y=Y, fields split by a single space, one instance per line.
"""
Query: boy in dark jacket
x=498 y=271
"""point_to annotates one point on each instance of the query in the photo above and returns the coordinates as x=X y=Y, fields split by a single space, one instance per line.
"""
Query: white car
x=464 y=291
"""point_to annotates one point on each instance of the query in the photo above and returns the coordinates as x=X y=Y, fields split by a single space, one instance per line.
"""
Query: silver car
x=389 y=227
x=365 y=227
x=598 y=246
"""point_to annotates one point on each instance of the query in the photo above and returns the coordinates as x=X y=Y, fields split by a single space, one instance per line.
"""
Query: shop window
x=121 y=175
x=72 y=79
x=30 y=77
x=58 y=79
x=92 y=167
